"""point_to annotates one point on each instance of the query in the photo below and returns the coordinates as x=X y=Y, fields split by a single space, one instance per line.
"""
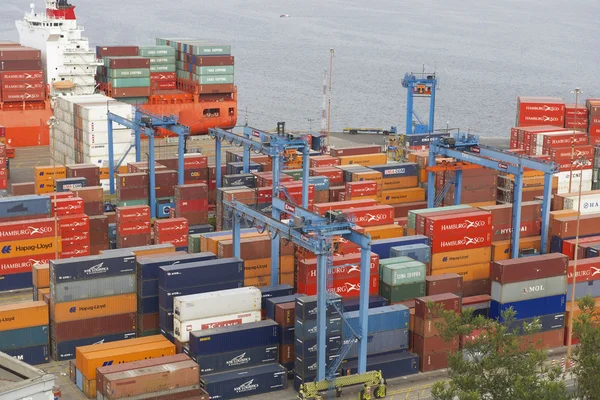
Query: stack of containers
x=92 y=299
x=285 y=315
x=428 y=344
x=170 y=377
x=162 y=66
x=3 y=170
x=228 y=356
x=305 y=347
x=128 y=78
x=593 y=106
x=24 y=331
x=210 y=310
x=460 y=243
x=224 y=216
x=191 y=203
x=90 y=172
x=147 y=286
x=133 y=226
x=321 y=185
x=402 y=281
x=387 y=345
x=21 y=75
x=478 y=187
x=182 y=280
x=195 y=168
x=75 y=235
x=586 y=283
x=90 y=358
x=93 y=199
x=132 y=189
x=533 y=286
x=532 y=111
x=41 y=280
x=172 y=230
x=44 y=178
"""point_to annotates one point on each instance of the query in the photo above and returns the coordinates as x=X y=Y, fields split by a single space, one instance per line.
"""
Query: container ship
x=187 y=78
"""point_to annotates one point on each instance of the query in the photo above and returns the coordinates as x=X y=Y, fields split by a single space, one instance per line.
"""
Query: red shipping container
x=321 y=209
x=324 y=161
x=192 y=205
x=133 y=213
x=191 y=161
x=438 y=226
x=587 y=270
x=568 y=246
x=572 y=110
x=562 y=140
x=450 y=302
x=24 y=264
x=164 y=85
x=133 y=228
x=335 y=175
x=162 y=76
x=34 y=95
x=176 y=239
x=307 y=269
x=362 y=188
x=22 y=230
x=25 y=86
x=81 y=251
x=564 y=153
x=171 y=225
x=344 y=287
x=456 y=242
x=371 y=216
x=74 y=223
x=18 y=76
x=72 y=206
x=528 y=229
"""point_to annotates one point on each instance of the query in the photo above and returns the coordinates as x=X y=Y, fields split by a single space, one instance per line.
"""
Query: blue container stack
x=193 y=278
x=282 y=311
x=305 y=346
x=148 y=268
x=418 y=252
x=387 y=342
x=383 y=247
x=239 y=360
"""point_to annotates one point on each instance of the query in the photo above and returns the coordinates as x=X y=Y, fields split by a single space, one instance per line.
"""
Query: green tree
x=586 y=328
x=495 y=362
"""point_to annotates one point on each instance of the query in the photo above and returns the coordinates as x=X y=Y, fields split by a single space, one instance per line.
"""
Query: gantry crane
x=419 y=85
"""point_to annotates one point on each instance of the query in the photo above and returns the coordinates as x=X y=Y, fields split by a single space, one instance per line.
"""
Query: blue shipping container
x=582 y=289
x=208 y=272
x=308 y=329
x=530 y=308
x=236 y=168
x=20 y=206
x=147 y=305
x=273 y=301
x=31 y=355
x=380 y=319
x=546 y=322
x=149 y=266
x=147 y=288
x=269 y=292
x=79 y=379
x=91 y=267
x=112 y=232
x=236 y=337
x=195 y=229
x=26 y=337
x=247 y=180
x=383 y=342
x=308 y=348
x=396 y=170
x=15 y=281
x=390 y=365
x=165 y=319
x=165 y=297
x=245 y=382
x=383 y=247
x=288 y=335
x=352 y=303
x=245 y=358
x=66 y=350
x=418 y=252
x=308 y=366
x=320 y=182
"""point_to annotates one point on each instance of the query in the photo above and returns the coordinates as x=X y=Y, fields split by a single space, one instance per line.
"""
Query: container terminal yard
x=153 y=248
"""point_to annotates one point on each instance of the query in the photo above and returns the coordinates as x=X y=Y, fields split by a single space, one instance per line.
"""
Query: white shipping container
x=586 y=186
x=563 y=177
x=527 y=290
x=98 y=112
x=101 y=150
x=589 y=204
x=222 y=302
x=182 y=330
x=119 y=136
x=102 y=162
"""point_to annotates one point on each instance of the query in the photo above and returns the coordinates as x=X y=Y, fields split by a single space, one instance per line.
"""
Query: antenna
x=331 y=52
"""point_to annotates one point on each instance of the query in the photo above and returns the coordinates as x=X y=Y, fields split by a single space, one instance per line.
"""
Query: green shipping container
x=405 y=273
x=210 y=50
x=222 y=70
x=129 y=82
x=391 y=261
x=129 y=73
x=412 y=215
x=294 y=173
x=126 y=203
x=194 y=243
x=157 y=51
x=162 y=68
x=396 y=294
x=162 y=60
x=214 y=79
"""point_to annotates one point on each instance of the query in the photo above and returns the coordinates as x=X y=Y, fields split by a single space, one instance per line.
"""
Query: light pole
x=331 y=52
x=52 y=122
x=580 y=163
x=577 y=92
x=310 y=120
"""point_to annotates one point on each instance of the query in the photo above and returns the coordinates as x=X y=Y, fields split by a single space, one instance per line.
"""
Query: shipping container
x=206 y=305
x=102 y=326
x=307 y=348
x=306 y=307
x=34 y=355
x=528 y=268
x=245 y=358
x=182 y=329
x=381 y=319
x=222 y=270
x=383 y=342
x=352 y=303
x=232 y=338
x=527 y=290
x=449 y=302
x=390 y=365
x=93 y=308
x=275 y=291
x=307 y=329
x=419 y=252
x=244 y=383
x=66 y=350
x=545 y=323
x=92 y=288
x=529 y=308
x=403 y=292
x=24 y=337
x=23 y=315
x=401 y=274
x=91 y=267
x=434 y=344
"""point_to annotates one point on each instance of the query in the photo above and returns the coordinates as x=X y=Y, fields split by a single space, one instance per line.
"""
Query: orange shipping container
x=482 y=204
x=384 y=231
x=93 y=308
x=460 y=257
x=211 y=244
x=468 y=272
x=46 y=173
x=41 y=275
x=423 y=176
x=23 y=315
x=364 y=160
x=374 y=176
x=577 y=310
x=399 y=196
x=126 y=354
x=501 y=249
x=399 y=183
x=30 y=247
x=83 y=351
x=262 y=267
x=262 y=281
x=42 y=292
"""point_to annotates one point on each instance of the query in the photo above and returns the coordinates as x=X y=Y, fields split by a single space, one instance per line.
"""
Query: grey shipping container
x=582 y=289
x=20 y=206
x=245 y=358
x=306 y=307
x=26 y=337
x=92 y=288
x=527 y=290
x=92 y=267
x=418 y=252
x=383 y=342
x=245 y=382
x=545 y=322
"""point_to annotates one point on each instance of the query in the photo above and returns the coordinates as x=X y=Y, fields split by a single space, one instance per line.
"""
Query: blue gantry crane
x=419 y=85
x=466 y=148
x=307 y=230
x=145 y=123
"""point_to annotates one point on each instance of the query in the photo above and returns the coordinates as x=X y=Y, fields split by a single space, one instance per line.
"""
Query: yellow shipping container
x=472 y=272
x=93 y=308
x=44 y=188
x=29 y=247
x=460 y=257
x=364 y=159
x=399 y=196
x=262 y=267
x=44 y=173
x=23 y=315
x=92 y=361
x=385 y=231
x=501 y=248
x=374 y=176
x=374 y=197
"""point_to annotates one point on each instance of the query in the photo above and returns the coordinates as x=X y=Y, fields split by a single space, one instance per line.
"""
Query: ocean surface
x=485 y=53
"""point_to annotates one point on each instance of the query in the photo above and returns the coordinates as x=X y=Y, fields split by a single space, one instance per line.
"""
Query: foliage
x=495 y=363
x=586 y=328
